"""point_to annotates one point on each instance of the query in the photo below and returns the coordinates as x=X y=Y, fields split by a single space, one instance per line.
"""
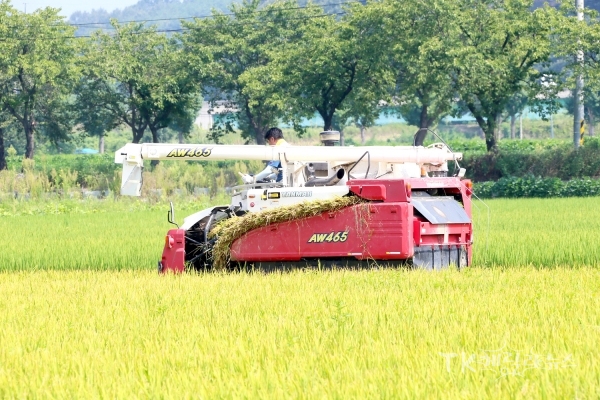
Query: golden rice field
x=84 y=315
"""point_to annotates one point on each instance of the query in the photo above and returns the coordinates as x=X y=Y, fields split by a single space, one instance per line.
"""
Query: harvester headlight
x=469 y=186
x=169 y=241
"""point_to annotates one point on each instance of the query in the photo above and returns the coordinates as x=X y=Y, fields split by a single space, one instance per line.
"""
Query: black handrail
x=368 y=166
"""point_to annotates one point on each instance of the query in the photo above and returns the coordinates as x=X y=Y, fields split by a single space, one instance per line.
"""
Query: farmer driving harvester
x=273 y=137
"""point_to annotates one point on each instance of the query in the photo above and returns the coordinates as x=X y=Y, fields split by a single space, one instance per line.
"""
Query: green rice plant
x=538 y=232
x=87 y=234
x=129 y=233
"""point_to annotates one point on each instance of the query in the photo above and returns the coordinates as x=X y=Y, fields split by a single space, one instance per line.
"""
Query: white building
x=205 y=118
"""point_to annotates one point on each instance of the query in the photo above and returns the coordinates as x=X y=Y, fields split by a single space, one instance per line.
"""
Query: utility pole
x=579 y=113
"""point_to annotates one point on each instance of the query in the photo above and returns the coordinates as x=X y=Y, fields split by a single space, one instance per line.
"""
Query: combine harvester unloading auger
x=336 y=206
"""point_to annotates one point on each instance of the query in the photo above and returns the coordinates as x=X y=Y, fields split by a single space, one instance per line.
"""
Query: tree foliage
x=283 y=61
x=420 y=60
x=332 y=64
x=241 y=46
x=37 y=71
x=499 y=48
x=139 y=78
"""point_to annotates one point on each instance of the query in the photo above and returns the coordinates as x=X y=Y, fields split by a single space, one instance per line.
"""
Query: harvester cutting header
x=330 y=206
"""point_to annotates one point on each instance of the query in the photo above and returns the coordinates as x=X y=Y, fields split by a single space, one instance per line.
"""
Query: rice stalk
x=229 y=230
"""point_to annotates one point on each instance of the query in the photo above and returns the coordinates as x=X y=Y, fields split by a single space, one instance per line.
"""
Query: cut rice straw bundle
x=229 y=230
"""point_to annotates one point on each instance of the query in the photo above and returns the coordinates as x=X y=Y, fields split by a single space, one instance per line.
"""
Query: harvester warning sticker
x=332 y=237
x=190 y=152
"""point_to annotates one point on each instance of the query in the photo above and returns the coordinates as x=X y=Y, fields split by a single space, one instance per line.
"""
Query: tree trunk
x=29 y=148
x=490 y=140
x=101 y=144
x=521 y=126
x=489 y=128
x=180 y=137
x=138 y=134
x=2 y=154
x=423 y=125
x=498 y=128
x=327 y=122
x=342 y=138
x=362 y=134
x=513 y=120
x=257 y=127
x=137 y=131
x=259 y=135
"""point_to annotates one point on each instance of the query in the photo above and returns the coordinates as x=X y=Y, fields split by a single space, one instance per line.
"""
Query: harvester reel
x=198 y=247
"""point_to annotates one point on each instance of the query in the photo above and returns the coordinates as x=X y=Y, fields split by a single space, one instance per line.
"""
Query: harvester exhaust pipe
x=330 y=181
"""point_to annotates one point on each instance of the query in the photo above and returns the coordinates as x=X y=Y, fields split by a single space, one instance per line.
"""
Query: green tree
x=328 y=65
x=5 y=62
x=56 y=117
x=499 y=48
x=241 y=44
x=37 y=80
x=137 y=77
x=418 y=58
x=95 y=117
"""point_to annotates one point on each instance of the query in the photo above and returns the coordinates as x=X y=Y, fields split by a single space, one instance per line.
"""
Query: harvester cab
x=335 y=206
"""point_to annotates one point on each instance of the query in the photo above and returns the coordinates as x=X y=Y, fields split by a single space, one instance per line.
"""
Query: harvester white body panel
x=254 y=200
x=396 y=161
x=246 y=198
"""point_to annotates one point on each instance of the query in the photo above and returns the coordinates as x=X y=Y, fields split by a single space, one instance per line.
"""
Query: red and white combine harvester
x=411 y=213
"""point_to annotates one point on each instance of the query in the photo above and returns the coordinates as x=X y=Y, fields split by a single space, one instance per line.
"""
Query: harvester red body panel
x=173 y=257
x=402 y=219
x=380 y=231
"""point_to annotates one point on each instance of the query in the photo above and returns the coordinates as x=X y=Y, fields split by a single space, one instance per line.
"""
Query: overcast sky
x=70 y=6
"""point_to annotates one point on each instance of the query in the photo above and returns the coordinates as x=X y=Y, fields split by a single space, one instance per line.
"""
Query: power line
x=239 y=23
x=85 y=24
x=176 y=30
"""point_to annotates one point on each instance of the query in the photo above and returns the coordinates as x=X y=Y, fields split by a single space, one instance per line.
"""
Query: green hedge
x=508 y=173
x=538 y=187
x=477 y=145
x=545 y=158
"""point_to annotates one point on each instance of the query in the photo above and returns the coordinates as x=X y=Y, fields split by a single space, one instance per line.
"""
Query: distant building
x=206 y=115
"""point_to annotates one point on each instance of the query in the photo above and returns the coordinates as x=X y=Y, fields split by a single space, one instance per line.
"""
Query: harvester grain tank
x=336 y=206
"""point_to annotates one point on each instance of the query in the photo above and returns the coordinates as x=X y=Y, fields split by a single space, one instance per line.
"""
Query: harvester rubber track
x=437 y=257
